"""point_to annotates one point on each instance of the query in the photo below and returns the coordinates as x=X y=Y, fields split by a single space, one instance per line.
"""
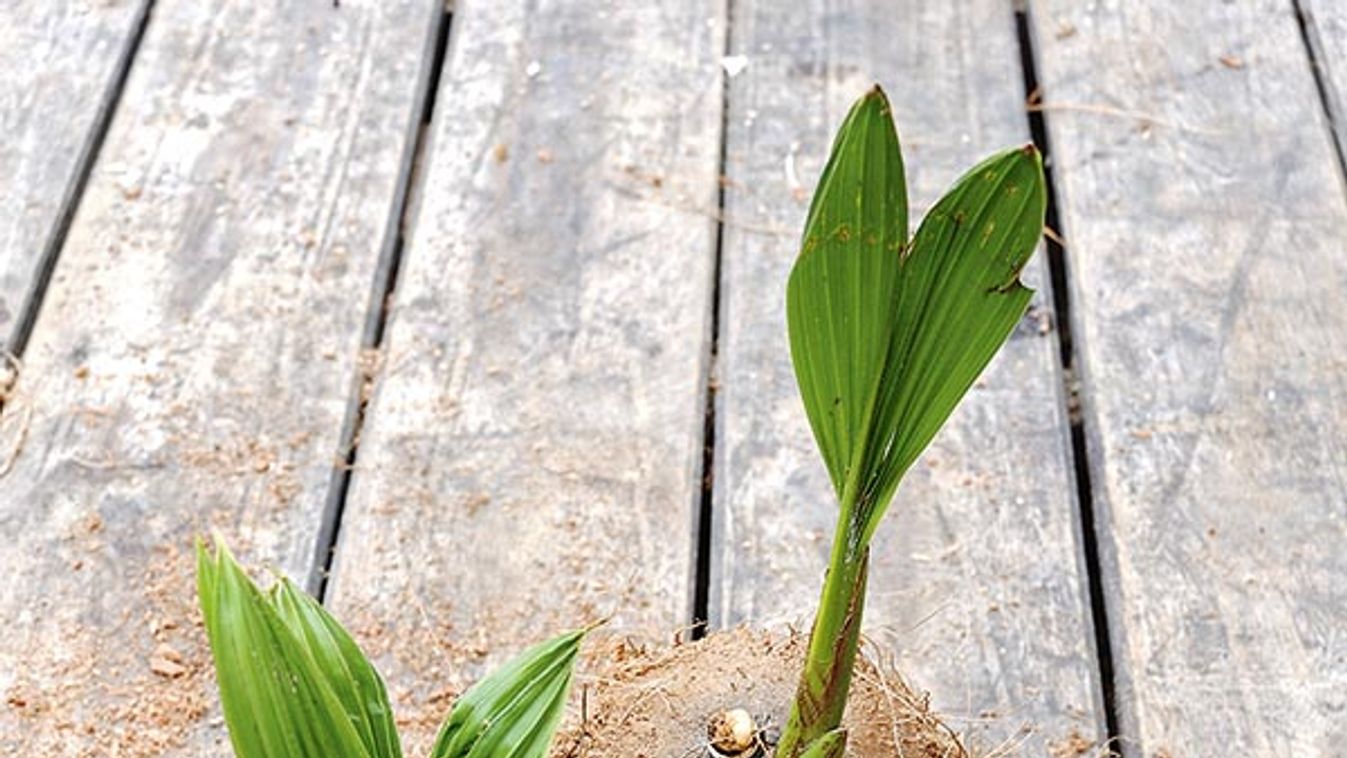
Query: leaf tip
x=591 y=626
x=875 y=98
x=1030 y=153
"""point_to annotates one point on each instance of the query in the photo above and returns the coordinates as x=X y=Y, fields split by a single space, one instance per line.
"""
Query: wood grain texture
x=532 y=451
x=1326 y=28
x=195 y=356
x=60 y=62
x=1205 y=222
x=977 y=581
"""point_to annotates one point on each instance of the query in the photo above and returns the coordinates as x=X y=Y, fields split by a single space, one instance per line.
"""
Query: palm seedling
x=294 y=685
x=887 y=334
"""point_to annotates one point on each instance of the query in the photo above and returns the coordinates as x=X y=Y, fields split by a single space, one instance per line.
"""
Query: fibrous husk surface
x=656 y=702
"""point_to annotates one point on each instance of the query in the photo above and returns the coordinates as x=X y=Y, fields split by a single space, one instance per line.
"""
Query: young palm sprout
x=294 y=685
x=887 y=334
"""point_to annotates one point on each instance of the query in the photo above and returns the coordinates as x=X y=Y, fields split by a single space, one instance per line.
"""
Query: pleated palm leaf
x=295 y=685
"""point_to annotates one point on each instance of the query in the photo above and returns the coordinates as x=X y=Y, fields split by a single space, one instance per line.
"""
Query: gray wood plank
x=1206 y=221
x=61 y=62
x=1326 y=26
x=532 y=452
x=977 y=582
x=195 y=356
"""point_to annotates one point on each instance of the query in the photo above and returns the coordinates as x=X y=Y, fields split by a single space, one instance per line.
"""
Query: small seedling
x=887 y=334
x=295 y=685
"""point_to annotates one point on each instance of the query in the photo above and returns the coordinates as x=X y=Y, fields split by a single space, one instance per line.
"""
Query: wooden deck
x=474 y=320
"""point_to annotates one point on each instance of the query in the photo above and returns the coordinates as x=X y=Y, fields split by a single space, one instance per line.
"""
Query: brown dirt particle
x=167 y=662
x=1074 y=744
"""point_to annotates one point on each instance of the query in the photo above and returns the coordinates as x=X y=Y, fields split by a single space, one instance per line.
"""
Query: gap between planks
x=1319 y=58
x=1059 y=271
x=705 y=515
x=84 y=166
x=410 y=175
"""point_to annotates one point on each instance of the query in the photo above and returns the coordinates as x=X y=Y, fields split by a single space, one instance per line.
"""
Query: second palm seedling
x=295 y=685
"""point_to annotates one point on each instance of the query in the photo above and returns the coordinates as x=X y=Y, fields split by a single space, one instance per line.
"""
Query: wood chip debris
x=167 y=662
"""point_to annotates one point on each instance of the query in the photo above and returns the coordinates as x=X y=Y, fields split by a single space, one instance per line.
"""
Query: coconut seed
x=733 y=733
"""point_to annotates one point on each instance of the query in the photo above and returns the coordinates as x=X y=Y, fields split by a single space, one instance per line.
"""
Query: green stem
x=822 y=695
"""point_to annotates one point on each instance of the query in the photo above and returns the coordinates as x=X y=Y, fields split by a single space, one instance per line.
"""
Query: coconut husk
x=657 y=702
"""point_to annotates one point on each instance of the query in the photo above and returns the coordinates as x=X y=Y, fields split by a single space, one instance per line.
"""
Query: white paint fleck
x=734 y=65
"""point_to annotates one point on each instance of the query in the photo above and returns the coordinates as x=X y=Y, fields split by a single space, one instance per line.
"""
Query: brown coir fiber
x=656 y=703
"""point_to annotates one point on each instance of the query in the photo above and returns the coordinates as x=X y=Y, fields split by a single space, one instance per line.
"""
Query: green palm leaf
x=354 y=681
x=292 y=683
x=514 y=712
x=295 y=685
x=831 y=745
x=887 y=336
x=841 y=293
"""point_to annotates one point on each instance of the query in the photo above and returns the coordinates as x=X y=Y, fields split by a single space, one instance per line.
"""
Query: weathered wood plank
x=532 y=452
x=977 y=582
x=194 y=359
x=61 y=63
x=1327 y=28
x=1205 y=223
